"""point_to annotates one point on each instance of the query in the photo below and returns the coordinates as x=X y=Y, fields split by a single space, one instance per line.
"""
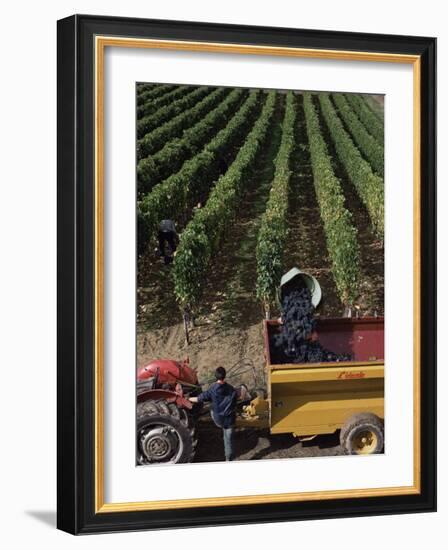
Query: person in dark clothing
x=167 y=234
x=223 y=398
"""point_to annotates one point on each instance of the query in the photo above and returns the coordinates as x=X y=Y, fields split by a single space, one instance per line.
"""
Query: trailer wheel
x=362 y=434
x=165 y=433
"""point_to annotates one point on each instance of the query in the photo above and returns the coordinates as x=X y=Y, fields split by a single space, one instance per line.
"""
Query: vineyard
x=256 y=181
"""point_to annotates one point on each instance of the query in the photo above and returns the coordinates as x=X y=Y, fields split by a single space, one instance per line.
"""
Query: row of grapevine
x=157 y=91
x=158 y=138
x=367 y=144
x=150 y=106
x=181 y=191
x=202 y=236
x=152 y=92
x=154 y=168
x=273 y=228
x=145 y=87
x=373 y=124
x=369 y=186
x=341 y=235
x=162 y=115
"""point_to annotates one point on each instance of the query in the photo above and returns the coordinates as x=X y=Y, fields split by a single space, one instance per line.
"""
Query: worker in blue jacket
x=223 y=398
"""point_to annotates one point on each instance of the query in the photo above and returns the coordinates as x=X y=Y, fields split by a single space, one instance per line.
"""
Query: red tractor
x=165 y=417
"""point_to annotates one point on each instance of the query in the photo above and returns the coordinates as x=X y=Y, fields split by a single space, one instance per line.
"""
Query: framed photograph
x=246 y=274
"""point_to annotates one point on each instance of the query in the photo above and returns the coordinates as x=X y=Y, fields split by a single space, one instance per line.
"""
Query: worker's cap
x=310 y=282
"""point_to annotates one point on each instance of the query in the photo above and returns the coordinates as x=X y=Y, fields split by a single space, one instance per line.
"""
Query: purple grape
x=292 y=344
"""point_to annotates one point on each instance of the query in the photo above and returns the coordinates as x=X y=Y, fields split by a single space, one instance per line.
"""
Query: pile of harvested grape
x=294 y=343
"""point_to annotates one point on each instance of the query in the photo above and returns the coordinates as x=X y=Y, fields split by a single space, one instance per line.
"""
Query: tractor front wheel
x=165 y=433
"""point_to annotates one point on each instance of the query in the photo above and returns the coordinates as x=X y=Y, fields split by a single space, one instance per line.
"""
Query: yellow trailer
x=308 y=399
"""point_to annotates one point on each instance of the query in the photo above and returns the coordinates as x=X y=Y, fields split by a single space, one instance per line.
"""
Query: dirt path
x=252 y=444
x=371 y=297
x=306 y=246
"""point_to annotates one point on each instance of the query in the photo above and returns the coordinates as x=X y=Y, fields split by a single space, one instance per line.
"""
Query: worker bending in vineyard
x=167 y=235
x=223 y=398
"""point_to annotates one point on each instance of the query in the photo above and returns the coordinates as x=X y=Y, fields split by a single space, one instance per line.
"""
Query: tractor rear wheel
x=165 y=433
x=363 y=434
